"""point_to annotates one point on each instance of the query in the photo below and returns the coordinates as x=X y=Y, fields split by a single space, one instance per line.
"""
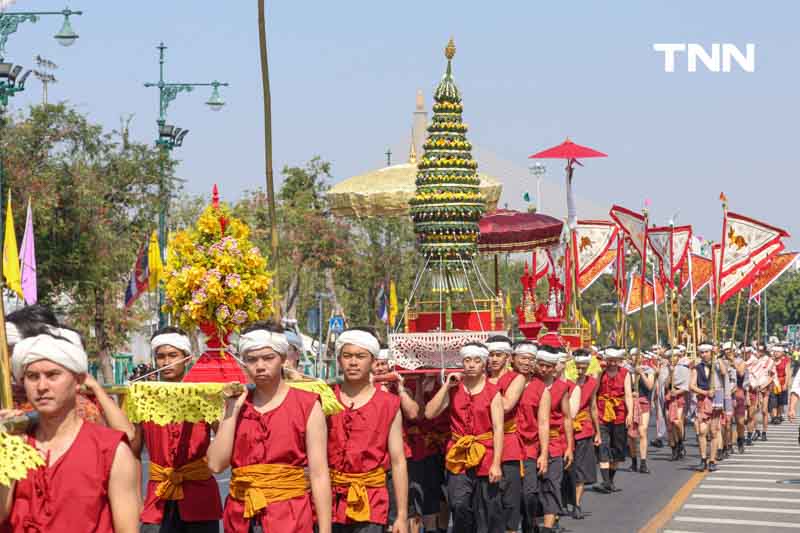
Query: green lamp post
x=170 y=137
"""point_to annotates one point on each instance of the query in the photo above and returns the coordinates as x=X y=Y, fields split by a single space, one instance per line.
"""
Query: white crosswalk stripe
x=747 y=493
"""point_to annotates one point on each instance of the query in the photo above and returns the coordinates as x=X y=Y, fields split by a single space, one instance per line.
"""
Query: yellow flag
x=392 y=303
x=154 y=264
x=585 y=324
x=598 y=328
x=11 y=254
x=509 y=308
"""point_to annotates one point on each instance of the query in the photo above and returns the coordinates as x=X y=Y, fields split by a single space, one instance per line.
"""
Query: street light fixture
x=170 y=137
x=538 y=170
x=10 y=21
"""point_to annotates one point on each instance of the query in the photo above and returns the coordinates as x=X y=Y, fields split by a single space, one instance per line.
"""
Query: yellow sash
x=510 y=426
x=260 y=485
x=577 y=422
x=609 y=407
x=170 y=480
x=435 y=439
x=467 y=452
x=358 y=508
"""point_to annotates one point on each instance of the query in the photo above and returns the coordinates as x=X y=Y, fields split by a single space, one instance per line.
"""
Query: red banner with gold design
x=701 y=272
x=635 y=292
x=591 y=274
x=770 y=272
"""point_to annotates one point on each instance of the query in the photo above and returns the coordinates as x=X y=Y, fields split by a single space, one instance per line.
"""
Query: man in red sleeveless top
x=615 y=409
x=780 y=398
x=182 y=494
x=475 y=450
x=412 y=439
x=365 y=441
x=561 y=441
x=505 y=379
x=533 y=427
x=273 y=438
x=586 y=423
x=90 y=478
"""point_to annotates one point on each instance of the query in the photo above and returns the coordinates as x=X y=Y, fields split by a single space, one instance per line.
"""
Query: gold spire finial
x=450 y=51
x=412 y=153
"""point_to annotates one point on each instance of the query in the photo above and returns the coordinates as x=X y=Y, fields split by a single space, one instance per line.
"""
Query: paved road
x=745 y=494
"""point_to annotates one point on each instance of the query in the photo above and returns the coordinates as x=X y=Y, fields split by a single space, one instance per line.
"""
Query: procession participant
x=89 y=481
x=412 y=434
x=762 y=373
x=475 y=449
x=568 y=502
x=780 y=398
x=661 y=368
x=182 y=494
x=500 y=375
x=533 y=426
x=729 y=379
x=708 y=412
x=561 y=440
x=523 y=360
x=424 y=457
x=586 y=425
x=365 y=441
x=644 y=382
x=740 y=400
x=751 y=360
x=269 y=437
x=615 y=408
x=295 y=349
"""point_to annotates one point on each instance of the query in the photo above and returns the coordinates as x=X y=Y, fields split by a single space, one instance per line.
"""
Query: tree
x=94 y=201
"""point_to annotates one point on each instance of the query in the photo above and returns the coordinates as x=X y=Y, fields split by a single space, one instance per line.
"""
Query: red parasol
x=506 y=230
x=567 y=150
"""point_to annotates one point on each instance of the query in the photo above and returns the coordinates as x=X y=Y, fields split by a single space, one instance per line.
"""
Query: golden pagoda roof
x=386 y=192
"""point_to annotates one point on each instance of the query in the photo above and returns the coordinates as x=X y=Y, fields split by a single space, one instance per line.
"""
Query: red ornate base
x=530 y=329
x=215 y=365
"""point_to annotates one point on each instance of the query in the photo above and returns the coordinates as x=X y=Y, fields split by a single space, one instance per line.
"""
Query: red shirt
x=613 y=387
x=558 y=444
x=527 y=423
x=587 y=428
x=417 y=433
x=275 y=437
x=512 y=445
x=72 y=493
x=358 y=442
x=175 y=445
x=781 y=369
x=472 y=415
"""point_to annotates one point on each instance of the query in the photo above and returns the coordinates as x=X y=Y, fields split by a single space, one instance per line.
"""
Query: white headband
x=583 y=359
x=727 y=345
x=472 y=350
x=499 y=346
x=362 y=339
x=614 y=353
x=181 y=342
x=705 y=347
x=262 y=338
x=12 y=334
x=44 y=346
x=526 y=348
x=548 y=357
x=778 y=349
x=383 y=355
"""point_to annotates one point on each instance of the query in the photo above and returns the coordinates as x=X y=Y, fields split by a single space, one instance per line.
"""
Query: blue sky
x=344 y=75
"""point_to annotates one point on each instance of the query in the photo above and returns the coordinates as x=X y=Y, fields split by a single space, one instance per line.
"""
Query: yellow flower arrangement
x=216 y=275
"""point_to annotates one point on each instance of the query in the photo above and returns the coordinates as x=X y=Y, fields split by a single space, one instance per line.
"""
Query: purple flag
x=28 y=260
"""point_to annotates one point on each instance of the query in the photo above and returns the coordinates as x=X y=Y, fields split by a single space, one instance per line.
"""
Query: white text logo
x=719 y=60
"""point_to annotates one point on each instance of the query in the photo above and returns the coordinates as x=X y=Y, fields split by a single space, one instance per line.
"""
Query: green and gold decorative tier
x=448 y=203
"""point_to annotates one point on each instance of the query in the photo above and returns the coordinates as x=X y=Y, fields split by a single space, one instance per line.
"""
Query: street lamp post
x=10 y=84
x=537 y=170
x=170 y=137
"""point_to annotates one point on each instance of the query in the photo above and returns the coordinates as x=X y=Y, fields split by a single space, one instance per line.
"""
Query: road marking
x=747 y=487
x=679 y=531
x=734 y=522
x=770 y=467
x=733 y=460
x=746 y=498
x=735 y=470
x=664 y=515
x=746 y=509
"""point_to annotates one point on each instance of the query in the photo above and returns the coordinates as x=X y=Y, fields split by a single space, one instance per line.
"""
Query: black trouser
x=475 y=504
x=511 y=488
x=172 y=523
x=530 y=495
